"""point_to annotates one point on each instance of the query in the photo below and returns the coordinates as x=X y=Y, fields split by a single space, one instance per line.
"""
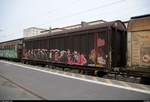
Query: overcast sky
x=16 y=15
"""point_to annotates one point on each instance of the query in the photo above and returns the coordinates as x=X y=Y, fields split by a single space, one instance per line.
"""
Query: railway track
x=115 y=76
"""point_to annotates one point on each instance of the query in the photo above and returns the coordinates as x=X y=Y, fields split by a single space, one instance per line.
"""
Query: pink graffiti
x=100 y=42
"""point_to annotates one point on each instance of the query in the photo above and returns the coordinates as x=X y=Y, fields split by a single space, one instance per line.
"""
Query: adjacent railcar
x=139 y=45
x=96 y=44
x=11 y=50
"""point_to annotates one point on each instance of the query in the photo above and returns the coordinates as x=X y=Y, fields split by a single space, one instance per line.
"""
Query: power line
x=55 y=9
x=86 y=11
x=99 y=14
x=120 y=16
x=131 y=12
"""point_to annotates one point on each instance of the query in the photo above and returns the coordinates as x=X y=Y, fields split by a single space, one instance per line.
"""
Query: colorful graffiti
x=66 y=56
x=56 y=55
x=101 y=53
x=97 y=56
x=8 y=53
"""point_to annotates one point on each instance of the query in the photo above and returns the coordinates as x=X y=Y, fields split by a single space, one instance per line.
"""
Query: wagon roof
x=14 y=40
x=141 y=16
x=81 y=27
x=139 y=23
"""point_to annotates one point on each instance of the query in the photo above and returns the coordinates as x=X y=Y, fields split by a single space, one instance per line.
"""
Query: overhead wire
x=55 y=9
x=88 y=10
x=85 y=11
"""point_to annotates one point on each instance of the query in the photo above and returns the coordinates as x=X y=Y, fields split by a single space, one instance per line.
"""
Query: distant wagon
x=11 y=50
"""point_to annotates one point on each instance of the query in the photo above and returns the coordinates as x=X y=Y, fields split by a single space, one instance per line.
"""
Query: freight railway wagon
x=11 y=50
x=139 y=46
x=99 y=46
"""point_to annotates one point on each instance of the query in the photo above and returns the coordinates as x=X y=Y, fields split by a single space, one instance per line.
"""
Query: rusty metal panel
x=140 y=48
x=118 y=48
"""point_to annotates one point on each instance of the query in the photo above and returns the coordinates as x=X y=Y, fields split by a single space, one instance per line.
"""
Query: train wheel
x=145 y=80
x=43 y=65
x=100 y=73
